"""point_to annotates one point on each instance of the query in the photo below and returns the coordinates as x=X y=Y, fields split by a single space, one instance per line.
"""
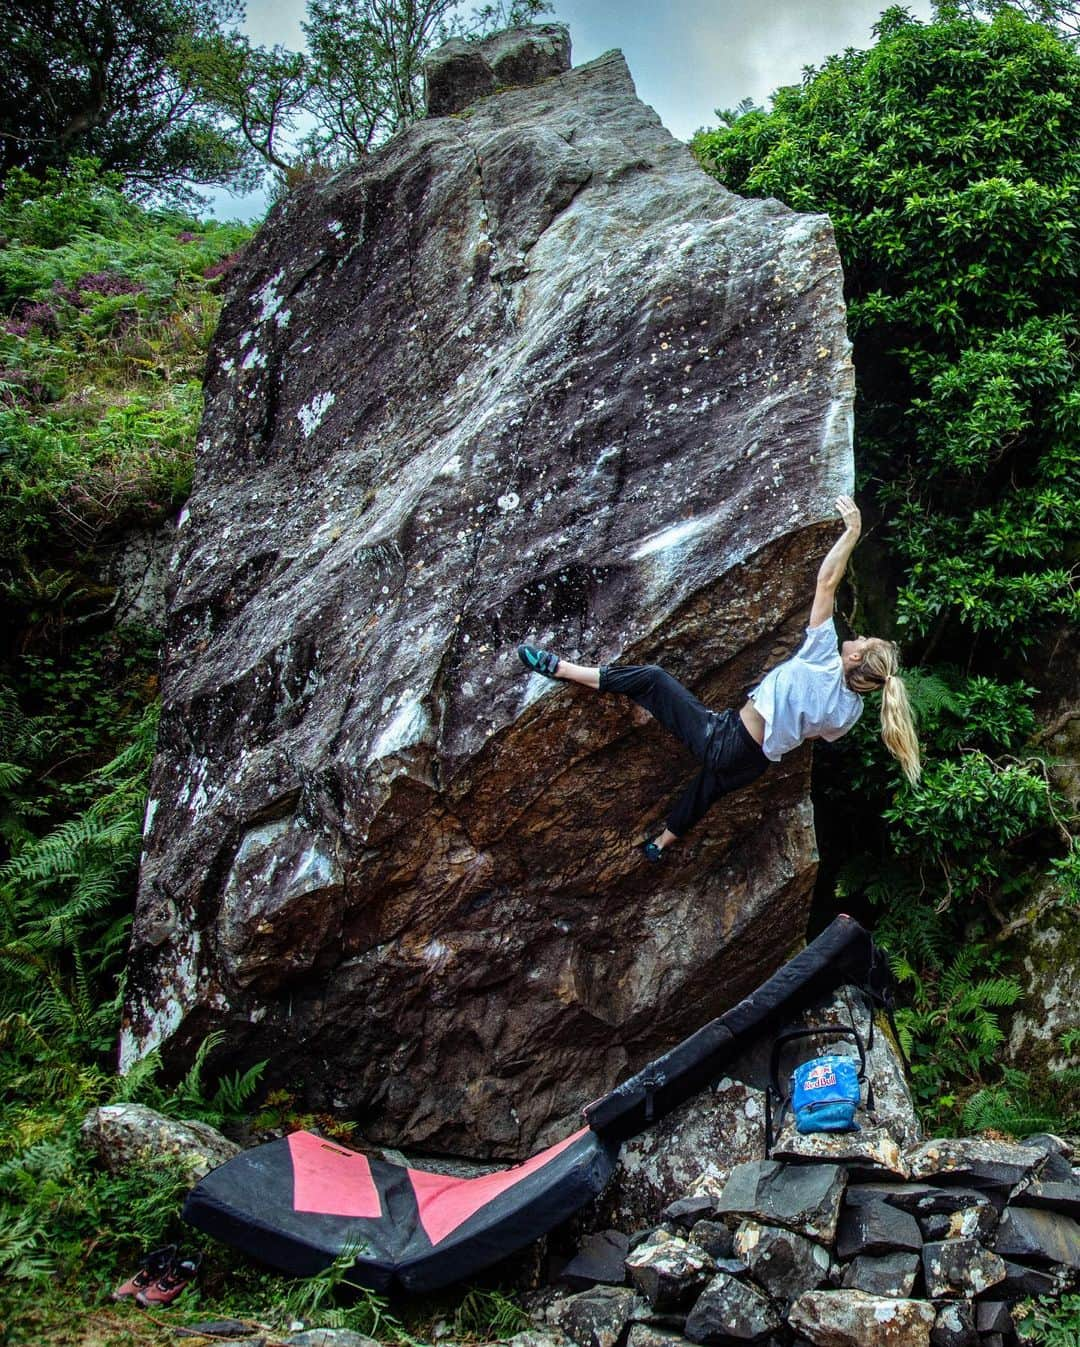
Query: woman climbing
x=817 y=694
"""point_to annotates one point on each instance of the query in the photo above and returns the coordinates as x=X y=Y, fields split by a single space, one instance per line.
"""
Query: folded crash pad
x=299 y=1203
x=843 y=953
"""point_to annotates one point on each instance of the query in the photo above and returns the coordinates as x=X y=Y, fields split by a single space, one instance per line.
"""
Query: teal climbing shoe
x=538 y=661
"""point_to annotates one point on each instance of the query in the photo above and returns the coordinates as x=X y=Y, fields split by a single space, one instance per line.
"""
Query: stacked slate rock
x=838 y=1241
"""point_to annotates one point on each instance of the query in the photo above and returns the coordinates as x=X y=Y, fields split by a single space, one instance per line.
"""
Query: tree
x=367 y=64
x=1059 y=14
x=260 y=91
x=97 y=78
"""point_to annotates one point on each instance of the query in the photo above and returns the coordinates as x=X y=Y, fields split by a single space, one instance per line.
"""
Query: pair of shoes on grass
x=162 y=1275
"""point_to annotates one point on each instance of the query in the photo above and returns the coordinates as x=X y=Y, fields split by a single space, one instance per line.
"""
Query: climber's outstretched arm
x=831 y=571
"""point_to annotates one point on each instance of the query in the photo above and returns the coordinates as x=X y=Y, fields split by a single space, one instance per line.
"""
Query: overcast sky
x=687 y=57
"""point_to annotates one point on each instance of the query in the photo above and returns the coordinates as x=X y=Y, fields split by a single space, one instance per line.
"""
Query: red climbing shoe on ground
x=167 y=1287
x=152 y=1266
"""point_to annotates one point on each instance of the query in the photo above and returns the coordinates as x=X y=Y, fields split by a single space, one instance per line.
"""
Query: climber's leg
x=680 y=712
x=665 y=698
x=588 y=675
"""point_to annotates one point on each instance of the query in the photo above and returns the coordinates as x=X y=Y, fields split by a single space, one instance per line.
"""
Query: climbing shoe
x=152 y=1266
x=652 y=851
x=538 y=661
x=168 y=1286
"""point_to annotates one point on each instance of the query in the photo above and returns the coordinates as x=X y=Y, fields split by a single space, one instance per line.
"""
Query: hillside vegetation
x=948 y=156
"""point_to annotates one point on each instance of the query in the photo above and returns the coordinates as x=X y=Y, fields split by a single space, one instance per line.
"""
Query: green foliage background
x=948 y=156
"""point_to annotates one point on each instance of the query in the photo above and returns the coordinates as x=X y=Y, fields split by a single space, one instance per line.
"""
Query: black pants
x=729 y=755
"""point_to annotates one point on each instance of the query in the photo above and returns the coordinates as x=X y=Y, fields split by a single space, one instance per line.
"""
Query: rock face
x=127 y=1136
x=136 y=569
x=527 y=372
x=461 y=72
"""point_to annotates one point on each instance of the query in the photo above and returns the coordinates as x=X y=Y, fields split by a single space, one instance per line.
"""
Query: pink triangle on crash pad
x=444 y=1202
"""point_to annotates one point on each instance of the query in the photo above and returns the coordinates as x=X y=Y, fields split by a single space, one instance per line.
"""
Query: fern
x=489 y=1316
x=991 y=992
x=24 y=1246
x=950 y=1028
x=910 y=927
x=138 y=1082
x=994 y=1108
x=234 y=1091
x=61 y=936
x=929 y=693
x=314 y=1300
x=190 y=1098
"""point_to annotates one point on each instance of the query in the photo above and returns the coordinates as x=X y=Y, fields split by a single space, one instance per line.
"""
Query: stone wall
x=837 y=1241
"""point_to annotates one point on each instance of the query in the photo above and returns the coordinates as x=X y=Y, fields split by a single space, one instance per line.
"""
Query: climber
x=817 y=693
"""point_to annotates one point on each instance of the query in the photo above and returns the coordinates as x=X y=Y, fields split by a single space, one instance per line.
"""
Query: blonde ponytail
x=879 y=671
x=898 y=728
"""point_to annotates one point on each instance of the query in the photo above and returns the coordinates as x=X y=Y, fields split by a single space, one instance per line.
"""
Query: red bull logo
x=819 y=1076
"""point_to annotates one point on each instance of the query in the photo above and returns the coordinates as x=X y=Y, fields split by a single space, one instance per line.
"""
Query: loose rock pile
x=839 y=1241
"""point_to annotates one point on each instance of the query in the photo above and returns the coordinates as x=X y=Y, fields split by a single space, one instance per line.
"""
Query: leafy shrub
x=107 y=283
x=1050 y=1322
x=29 y=316
x=960 y=806
x=20 y=388
x=948 y=158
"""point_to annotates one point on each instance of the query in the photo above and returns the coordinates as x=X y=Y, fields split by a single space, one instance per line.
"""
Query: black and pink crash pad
x=297 y=1203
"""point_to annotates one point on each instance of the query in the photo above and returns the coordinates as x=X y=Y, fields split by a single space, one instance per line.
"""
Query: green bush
x=948 y=158
x=1052 y=1322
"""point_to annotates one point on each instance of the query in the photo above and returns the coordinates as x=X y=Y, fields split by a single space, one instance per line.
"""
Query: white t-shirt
x=806 y=696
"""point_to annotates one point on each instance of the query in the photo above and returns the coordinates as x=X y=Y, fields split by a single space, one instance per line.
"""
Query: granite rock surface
x=527 y=372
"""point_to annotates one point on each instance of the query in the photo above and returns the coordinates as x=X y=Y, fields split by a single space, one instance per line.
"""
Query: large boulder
x=525 y=372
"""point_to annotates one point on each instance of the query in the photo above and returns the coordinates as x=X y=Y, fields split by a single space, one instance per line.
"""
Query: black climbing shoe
x=652 y=851
x=538 y=661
